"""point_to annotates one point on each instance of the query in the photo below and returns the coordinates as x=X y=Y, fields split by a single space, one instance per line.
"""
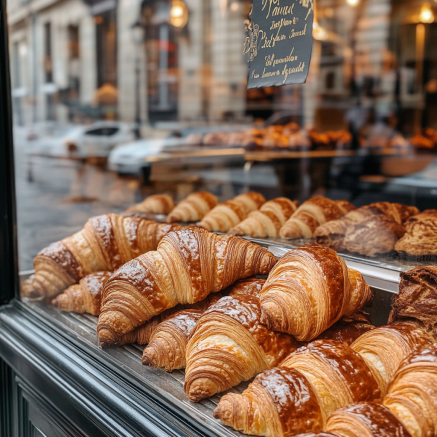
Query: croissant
x=228 y=214
x=188 y=265
x=421 y=236
x=268 y=221
x=309 y=290
x=311 y=214
x=299 y=396
x=105 y=244
x=386 y=347
x=84 y=297
x=412 y=395
x=365 y=420
x=143 y=333
x=156 y=204
x=417 y=298
x=169 y=340
x=193 y=208
x=251 y=287
x=229 y=346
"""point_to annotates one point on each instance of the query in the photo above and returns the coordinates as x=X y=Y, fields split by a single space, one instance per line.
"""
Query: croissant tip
x=145 y=360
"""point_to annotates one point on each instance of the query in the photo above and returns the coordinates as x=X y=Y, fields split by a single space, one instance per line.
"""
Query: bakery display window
x=193 y=248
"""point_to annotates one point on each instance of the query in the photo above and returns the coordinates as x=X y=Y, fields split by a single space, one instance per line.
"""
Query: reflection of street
x=60 y=196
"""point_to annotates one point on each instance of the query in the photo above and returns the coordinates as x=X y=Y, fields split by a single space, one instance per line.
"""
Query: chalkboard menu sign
x=280 y=42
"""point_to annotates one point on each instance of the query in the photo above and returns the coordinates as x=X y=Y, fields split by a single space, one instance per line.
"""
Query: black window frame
x=8 y=223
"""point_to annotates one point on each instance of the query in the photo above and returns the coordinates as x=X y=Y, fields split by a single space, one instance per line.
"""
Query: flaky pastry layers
x=309 y=290
x=268 y=221
x=228 y=214
x=311 y=214
x=188 y=265
x=299 y=396
x=412 y=395
x=155 y=204
x=193 y=208
x=230 y=345
x=105 y=244
x=84 y=297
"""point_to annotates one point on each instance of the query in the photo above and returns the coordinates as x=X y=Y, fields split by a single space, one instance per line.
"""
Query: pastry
x=104 y=244
x=193 y=208
x=268 y=220
x=228 y=214
x=311 y=214
x=417 y=298
x=299 y=396
x=188 y=265
x=365 y=420
x=156 y=204
x=230 y=345
x=412 y=395
x=421 y=235
x=84 y=297
x=251 y=287
x=309 y=290
x=169 y=340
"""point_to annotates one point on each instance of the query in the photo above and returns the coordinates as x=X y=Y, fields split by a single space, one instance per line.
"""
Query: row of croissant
x=371 y=230
x=224 y=341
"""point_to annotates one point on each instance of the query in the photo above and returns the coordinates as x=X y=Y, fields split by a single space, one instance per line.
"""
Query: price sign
x=280 y=42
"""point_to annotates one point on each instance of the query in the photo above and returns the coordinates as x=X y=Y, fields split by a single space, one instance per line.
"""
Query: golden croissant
x=365 y=420
x=311 y=214
x=188 y=265
x=268 y=221
x=84 y=297
x=228 y=214
x=193 y=208
x=299 y=396
x=104 y=244
x=412 y=395
x=309 y=290
x=156 y=204
x=229 y=346
x=250 y=286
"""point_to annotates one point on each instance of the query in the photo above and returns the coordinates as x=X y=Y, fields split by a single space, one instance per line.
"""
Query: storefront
x=106 y=103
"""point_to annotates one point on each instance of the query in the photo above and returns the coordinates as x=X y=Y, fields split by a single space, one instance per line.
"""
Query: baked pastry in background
x=309 y=290
x=311 y=214
x=215 y=139
x=156 y=204
x=268 y=220
x=187 y=266
x=420 y=238
x=230 y=345
x=417 y=298
x=365 y=419
x=104 y=244
x=84 y=297
x=193 y=208
x=228 y=214
x=412 y=395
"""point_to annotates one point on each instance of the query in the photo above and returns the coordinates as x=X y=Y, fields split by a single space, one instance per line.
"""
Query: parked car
x=79 y=142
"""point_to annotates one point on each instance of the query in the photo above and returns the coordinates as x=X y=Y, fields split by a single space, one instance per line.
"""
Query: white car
x=91 y=141
x=132 y=158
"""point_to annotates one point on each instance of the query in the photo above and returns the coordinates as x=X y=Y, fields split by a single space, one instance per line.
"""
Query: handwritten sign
x=280 y=42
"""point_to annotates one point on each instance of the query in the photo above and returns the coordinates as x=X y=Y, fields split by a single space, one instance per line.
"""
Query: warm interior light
x=353 y=2
x=426 y=14
x=319 y=33
x=178 y=14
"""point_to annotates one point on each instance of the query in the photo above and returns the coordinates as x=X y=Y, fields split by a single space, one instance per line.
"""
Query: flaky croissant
x=309 y=290
x=84 y=297
x=156 y=204
x=228 y=214
x=268 y=221
x=365 y=420
x=412 y=395
x=105 y=244
x=188 y=265
x=299 y=396
x=250 y=287
x=193 y=208
x=311 y=214
x=229 y=346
